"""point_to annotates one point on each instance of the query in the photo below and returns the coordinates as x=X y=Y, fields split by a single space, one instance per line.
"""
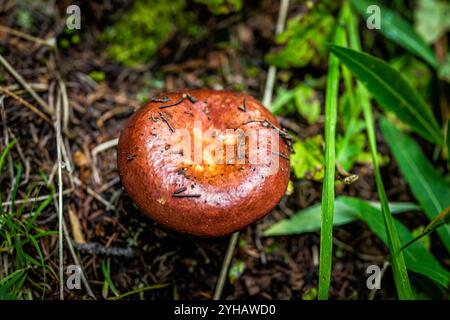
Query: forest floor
x=115 y=243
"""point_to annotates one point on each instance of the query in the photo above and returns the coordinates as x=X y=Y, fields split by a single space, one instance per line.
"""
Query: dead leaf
x=76 y=228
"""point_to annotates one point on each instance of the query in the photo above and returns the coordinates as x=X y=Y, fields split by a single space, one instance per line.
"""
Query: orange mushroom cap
x=187 y=159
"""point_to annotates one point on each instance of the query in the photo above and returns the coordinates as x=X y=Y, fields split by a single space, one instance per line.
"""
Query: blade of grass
x=417 y=258
x=440 y=220
x=16 y=184
x=392 y=91
x=428 y=186
x=396 y=28
x=147 y=288
x=2 y=160
x=326 y=227
x=401 y=278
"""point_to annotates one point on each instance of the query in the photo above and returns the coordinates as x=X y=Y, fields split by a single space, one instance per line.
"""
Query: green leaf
x=416 y=72
x=308 y=220
x=430 y=189
x=444 y=69
x=305 y=40
x=397 y=29
x=236 y=270
x=302 y=97
x=417 y=258
x=432 y=19
x=348 y=151
x=391 y=91
x=307 y=103
x=307 y=159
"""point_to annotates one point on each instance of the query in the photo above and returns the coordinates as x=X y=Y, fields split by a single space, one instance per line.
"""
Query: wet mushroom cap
x=203 y=198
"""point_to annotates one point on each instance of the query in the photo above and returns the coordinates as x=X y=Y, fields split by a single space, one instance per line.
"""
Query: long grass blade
x=326 y=227
x=401 y=278
x=400 y=272
x=428 y=186
x=399 y=30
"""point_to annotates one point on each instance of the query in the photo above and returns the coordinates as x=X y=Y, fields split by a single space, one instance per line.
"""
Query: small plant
x=403 y=101
x=135 y=37
x=20 y=250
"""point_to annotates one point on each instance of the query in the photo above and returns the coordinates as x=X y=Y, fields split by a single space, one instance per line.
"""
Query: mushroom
x=189 y=160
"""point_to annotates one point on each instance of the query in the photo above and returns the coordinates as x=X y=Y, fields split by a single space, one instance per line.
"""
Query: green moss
x=219 y=7
x=137 y=35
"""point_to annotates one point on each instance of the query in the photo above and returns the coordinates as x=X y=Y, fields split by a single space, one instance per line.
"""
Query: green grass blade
x=401 y=278
x=392 y=92
x=5 y=153
x=2 y=161
x=397 y=29
x=16 y=185
x=431 y=190
x=400 y=272
x=139 y=290
x=326 y=234
x=417 y=258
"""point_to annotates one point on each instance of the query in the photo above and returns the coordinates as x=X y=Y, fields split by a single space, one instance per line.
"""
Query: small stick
x=25 y=103
x=25 y=85
x=282 y=155
x=60 y=204
x=28 y=37
x=174 y=104
x=97 y=196
x=98 y=249
x=104 y=146
x=225 y=265
x=163 y=99
x=283 y=133
x=191 y=98
x=77 y=262
x=167 y=121
x=36 y=199
x=177 y=195
x=184 y=96
x=180 y=190
x=251 y=121
x=243 y=107
x=131 y=157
